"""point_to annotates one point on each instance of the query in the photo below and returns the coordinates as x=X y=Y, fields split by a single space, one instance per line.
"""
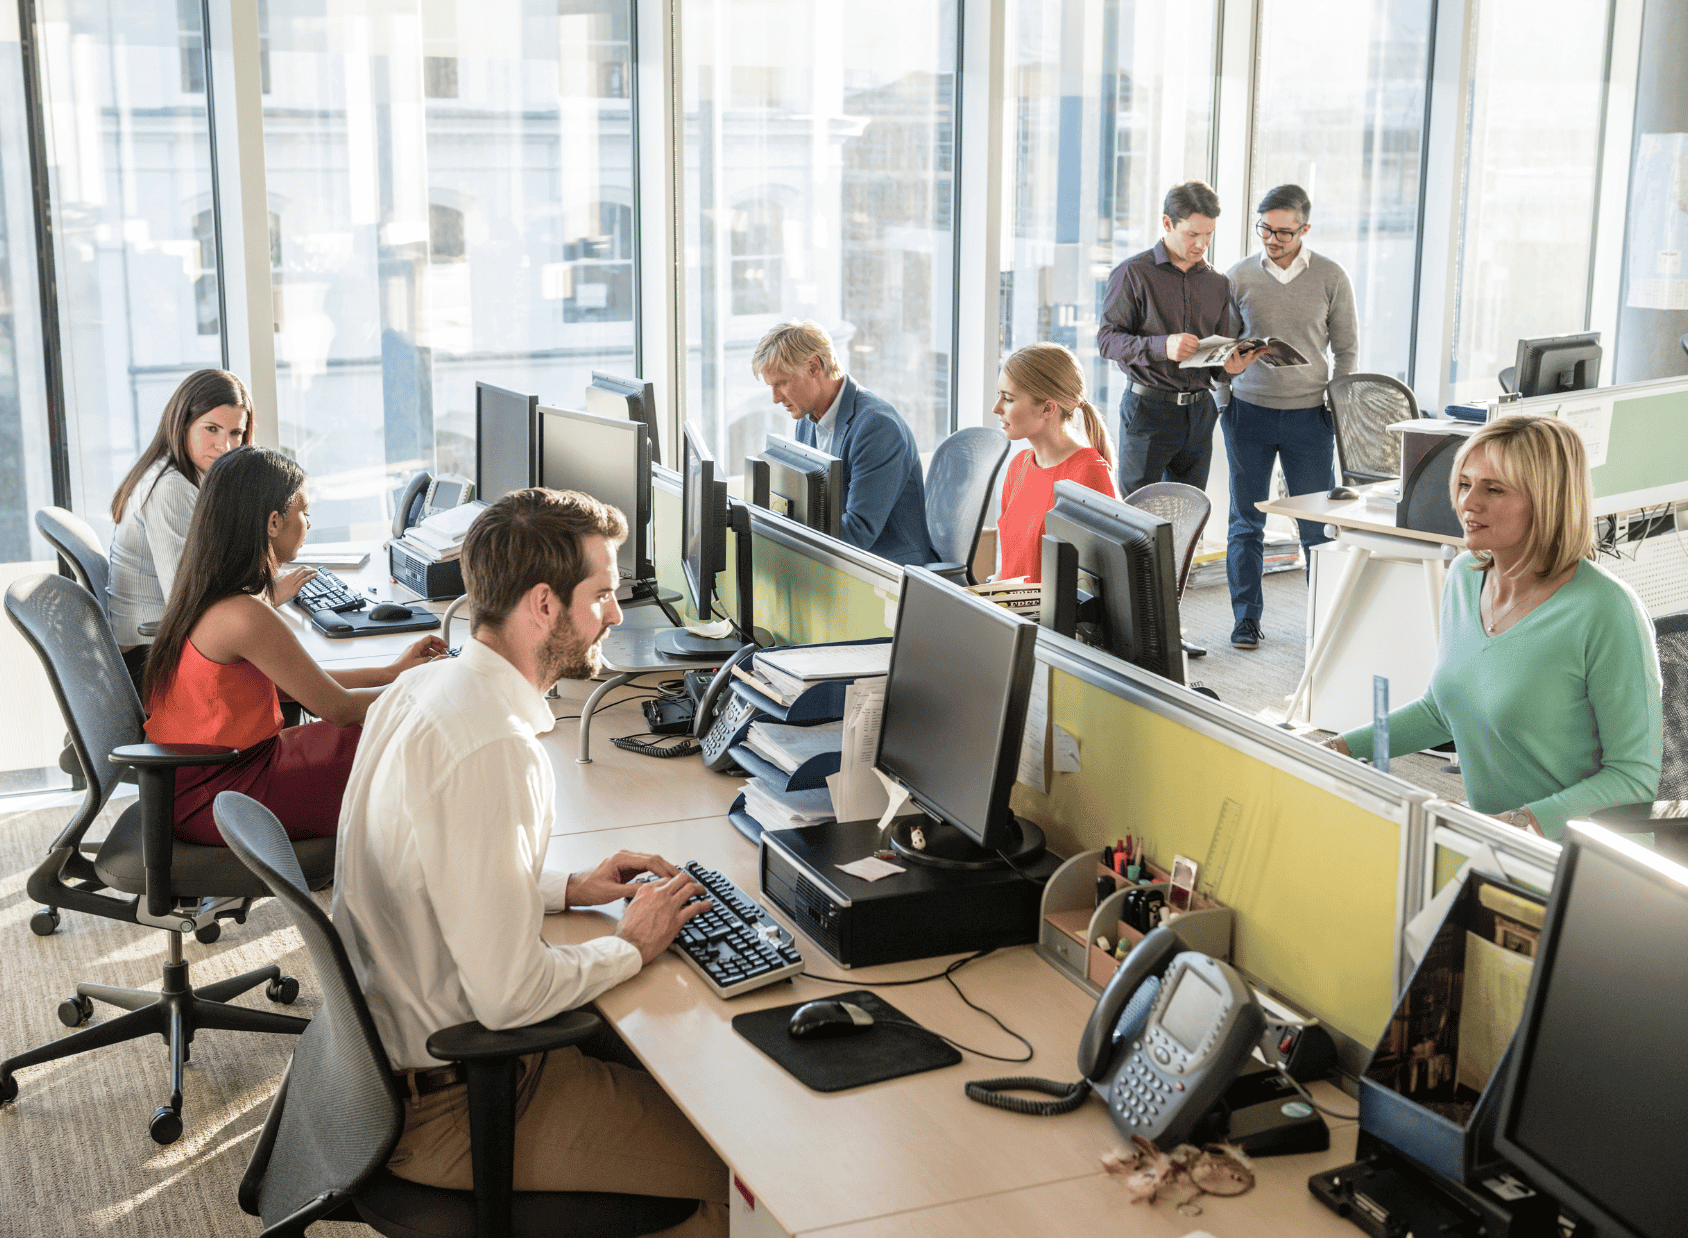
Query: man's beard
x=564 y=655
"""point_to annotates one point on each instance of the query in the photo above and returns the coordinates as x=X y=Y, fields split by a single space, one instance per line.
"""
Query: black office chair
x=78 y=548
x=959 y=484
x=323 y=1151
x=1364 y=406
x=1666 y=818
x=177 y=886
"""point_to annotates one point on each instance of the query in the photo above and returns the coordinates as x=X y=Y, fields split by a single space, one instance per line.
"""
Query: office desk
x=908 y=1156
x=1373 y=607
x=375 y=583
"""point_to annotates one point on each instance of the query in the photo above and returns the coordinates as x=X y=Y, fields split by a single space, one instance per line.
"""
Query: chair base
x=175 y=1012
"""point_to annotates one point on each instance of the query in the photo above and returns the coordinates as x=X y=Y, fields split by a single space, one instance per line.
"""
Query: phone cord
x=992 y=1092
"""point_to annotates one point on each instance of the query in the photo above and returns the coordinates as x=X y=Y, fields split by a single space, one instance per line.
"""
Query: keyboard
x=326 y=591
x=735 y=946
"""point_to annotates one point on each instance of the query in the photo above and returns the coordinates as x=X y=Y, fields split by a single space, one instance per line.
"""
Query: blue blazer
x=884 y=492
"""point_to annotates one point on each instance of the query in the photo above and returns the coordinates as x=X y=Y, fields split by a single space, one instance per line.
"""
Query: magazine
x=1217 y=350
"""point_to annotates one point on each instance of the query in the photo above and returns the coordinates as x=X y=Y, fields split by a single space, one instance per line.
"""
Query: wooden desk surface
x=1375 y=516
x=911 y=1155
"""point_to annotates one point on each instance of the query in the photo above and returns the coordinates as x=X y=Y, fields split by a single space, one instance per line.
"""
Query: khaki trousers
x=581 y=1125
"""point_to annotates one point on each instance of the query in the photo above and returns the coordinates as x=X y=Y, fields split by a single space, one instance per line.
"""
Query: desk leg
x=1435 y=578
x=585 y=756
x=1358 y=557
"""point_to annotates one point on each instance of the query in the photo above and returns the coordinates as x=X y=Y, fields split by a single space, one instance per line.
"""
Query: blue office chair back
x=69 y=632
x=959 y=485
x=71 y=536
x=339 y=1113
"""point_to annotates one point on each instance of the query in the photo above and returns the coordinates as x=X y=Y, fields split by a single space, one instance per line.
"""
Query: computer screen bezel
x=699 y=504
x=1581 y=839
x=819 y=470
x=491 y=494
x=997 y=830
x=639 y=404
x=638 y=520
x=1535 y=355
x=1077 y=507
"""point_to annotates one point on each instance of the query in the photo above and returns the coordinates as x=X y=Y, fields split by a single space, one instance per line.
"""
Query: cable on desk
x=638 y=742
x=1308 y=1097
x=1039 y=882
x=992 y=1092
x=948 y=974
x=638 y=694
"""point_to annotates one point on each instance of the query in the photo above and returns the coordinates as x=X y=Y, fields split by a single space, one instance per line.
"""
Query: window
x=1342 y=115
x=1526 y=234
x=207 y=308
x=594 y=281
x=445 y=234
x=819 y=184
x=1111 y=105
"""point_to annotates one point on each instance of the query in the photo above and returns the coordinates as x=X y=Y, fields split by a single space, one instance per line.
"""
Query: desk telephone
x=1168 y=1036
x=427 y=495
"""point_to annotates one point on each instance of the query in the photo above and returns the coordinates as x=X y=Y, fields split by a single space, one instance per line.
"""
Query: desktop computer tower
x=910 y=915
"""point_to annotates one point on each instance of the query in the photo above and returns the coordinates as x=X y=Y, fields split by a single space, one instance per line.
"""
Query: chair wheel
x=75 y=1011
x=8 y=1089
x=166 y=1125
x=45 y=922
x=283 y=989
x=205 y=934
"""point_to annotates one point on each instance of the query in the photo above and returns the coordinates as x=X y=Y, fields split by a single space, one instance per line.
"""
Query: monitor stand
x=948 y=847
x=679 y=643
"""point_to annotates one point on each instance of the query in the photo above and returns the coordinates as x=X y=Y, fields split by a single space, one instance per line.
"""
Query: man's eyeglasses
x=1281 y=235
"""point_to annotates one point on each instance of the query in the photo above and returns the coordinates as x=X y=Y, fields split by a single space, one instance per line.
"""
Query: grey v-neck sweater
x=1314 y=311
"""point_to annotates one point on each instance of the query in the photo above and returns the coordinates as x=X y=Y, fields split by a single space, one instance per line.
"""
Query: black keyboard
x=735 y=945
x=326 y=591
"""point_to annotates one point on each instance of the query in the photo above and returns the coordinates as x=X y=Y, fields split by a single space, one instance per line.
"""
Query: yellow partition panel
x=1311 y=877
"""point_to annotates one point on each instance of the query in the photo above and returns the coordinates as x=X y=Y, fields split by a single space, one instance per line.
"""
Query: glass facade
x=1111 y=104
x=819 y=184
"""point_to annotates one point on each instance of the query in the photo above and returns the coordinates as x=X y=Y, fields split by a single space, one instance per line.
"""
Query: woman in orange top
x=1040 y=398
x=222 y=651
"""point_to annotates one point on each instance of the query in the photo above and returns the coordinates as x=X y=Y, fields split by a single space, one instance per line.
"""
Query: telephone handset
x=427 y=495
x=715 y=696
x=408 y=510
x=1170 y=1033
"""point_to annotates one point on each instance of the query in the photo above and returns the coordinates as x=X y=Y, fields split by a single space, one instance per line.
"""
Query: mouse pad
x=363 y=625
x=882 y=1052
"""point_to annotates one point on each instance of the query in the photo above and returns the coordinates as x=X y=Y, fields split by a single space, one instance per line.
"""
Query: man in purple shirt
x=1160 y=303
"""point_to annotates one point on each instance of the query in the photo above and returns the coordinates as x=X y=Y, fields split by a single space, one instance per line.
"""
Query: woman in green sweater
x=1547 y=676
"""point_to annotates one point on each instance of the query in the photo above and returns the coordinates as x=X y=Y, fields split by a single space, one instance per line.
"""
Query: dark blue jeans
x=1163 y=441
x=1304 y=439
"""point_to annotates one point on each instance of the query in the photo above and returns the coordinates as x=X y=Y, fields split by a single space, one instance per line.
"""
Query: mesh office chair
x=959 y=485
x=1187 y=508
x=176 y=886
x=1670 y=834
x=323 y=1151
x=71 y=536
x=1364 y=406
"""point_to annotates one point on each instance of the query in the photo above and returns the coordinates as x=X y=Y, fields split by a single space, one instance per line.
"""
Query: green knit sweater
x=1561 y=713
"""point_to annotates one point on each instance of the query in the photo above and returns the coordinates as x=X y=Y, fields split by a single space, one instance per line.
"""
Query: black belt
x=1162 y=394
x=437 y=1079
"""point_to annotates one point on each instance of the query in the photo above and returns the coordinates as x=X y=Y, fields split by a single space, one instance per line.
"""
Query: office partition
x=1637 y=435
x=1454 y=832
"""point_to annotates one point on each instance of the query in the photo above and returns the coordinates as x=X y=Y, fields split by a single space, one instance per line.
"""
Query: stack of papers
x=786 y=747
x=1018 y=595
x=790 y=671
x=440 y=536
x=774 y=809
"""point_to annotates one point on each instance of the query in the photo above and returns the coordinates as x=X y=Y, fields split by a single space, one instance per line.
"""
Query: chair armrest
x=148 y=627
x=172 y=756
x=471 y=1042
x=955 y=573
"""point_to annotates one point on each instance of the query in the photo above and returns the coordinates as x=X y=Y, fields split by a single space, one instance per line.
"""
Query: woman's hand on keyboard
x=658 y=911
x=284 y=588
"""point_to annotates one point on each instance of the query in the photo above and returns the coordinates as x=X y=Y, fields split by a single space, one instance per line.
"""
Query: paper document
x=815 y=662
x=1496 y=981
x=1591 y=418
x=788 y=746
x=1037 y=729
x=857 y=795
x=774 y=809
x=1218 y=349
x=872 y=869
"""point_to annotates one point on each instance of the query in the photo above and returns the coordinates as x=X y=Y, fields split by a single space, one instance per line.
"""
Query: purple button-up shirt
x=1149 y=299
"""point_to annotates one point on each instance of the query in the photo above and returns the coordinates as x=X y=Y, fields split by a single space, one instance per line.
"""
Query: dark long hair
x=200 y=392
x=228 y=548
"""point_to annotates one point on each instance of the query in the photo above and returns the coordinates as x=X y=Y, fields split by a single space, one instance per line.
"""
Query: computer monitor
x=1560 y=363
x=609 y=459
x=632 y=398
x=1110 y=579
x=506 y=432
x=798 y=482
x=955 y=708
x=705 y=516
x=1598 y=1087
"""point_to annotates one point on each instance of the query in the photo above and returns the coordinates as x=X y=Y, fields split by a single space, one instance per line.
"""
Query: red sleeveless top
x=209 y=703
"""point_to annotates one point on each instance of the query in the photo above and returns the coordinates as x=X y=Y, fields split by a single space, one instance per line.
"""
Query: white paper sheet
x=856 y=794
x=1592 y=419
x=1037 y=728
x=871 y=869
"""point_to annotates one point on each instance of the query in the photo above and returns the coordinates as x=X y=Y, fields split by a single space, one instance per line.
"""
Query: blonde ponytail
x=1096 y=430
x=1048 y=371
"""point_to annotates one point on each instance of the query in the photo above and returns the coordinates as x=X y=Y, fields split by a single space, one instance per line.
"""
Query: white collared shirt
x=828 y=424
x=1296 y=266
x=439 y=883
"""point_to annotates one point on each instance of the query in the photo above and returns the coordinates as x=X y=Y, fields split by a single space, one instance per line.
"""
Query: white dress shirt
x=439 y=883
x=827 y=426
x=1296 y=266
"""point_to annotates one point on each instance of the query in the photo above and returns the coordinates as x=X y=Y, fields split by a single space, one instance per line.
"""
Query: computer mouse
x=390 y=610
x=827 y=1019
x=1342 y=492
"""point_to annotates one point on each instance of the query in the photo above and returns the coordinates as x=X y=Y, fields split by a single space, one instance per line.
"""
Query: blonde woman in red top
x=222 y=651
x=1040 y=400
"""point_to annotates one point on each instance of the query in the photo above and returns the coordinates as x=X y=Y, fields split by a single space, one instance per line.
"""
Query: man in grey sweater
x=1304 y=298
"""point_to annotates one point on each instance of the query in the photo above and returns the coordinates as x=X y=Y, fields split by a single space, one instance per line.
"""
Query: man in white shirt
x=440 y=886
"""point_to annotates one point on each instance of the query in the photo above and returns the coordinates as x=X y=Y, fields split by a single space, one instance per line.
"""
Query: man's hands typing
x=613 y=878
x=657 y=911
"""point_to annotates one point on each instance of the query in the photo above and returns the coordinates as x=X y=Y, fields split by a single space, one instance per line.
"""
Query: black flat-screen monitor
x=704 y=519
x=955 y=710
x=1560 y=363
x=800 y=483
x=1110 y=579
x=506 y=434
x=609 y=459
x=1594 y=1101
x=632 y=398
